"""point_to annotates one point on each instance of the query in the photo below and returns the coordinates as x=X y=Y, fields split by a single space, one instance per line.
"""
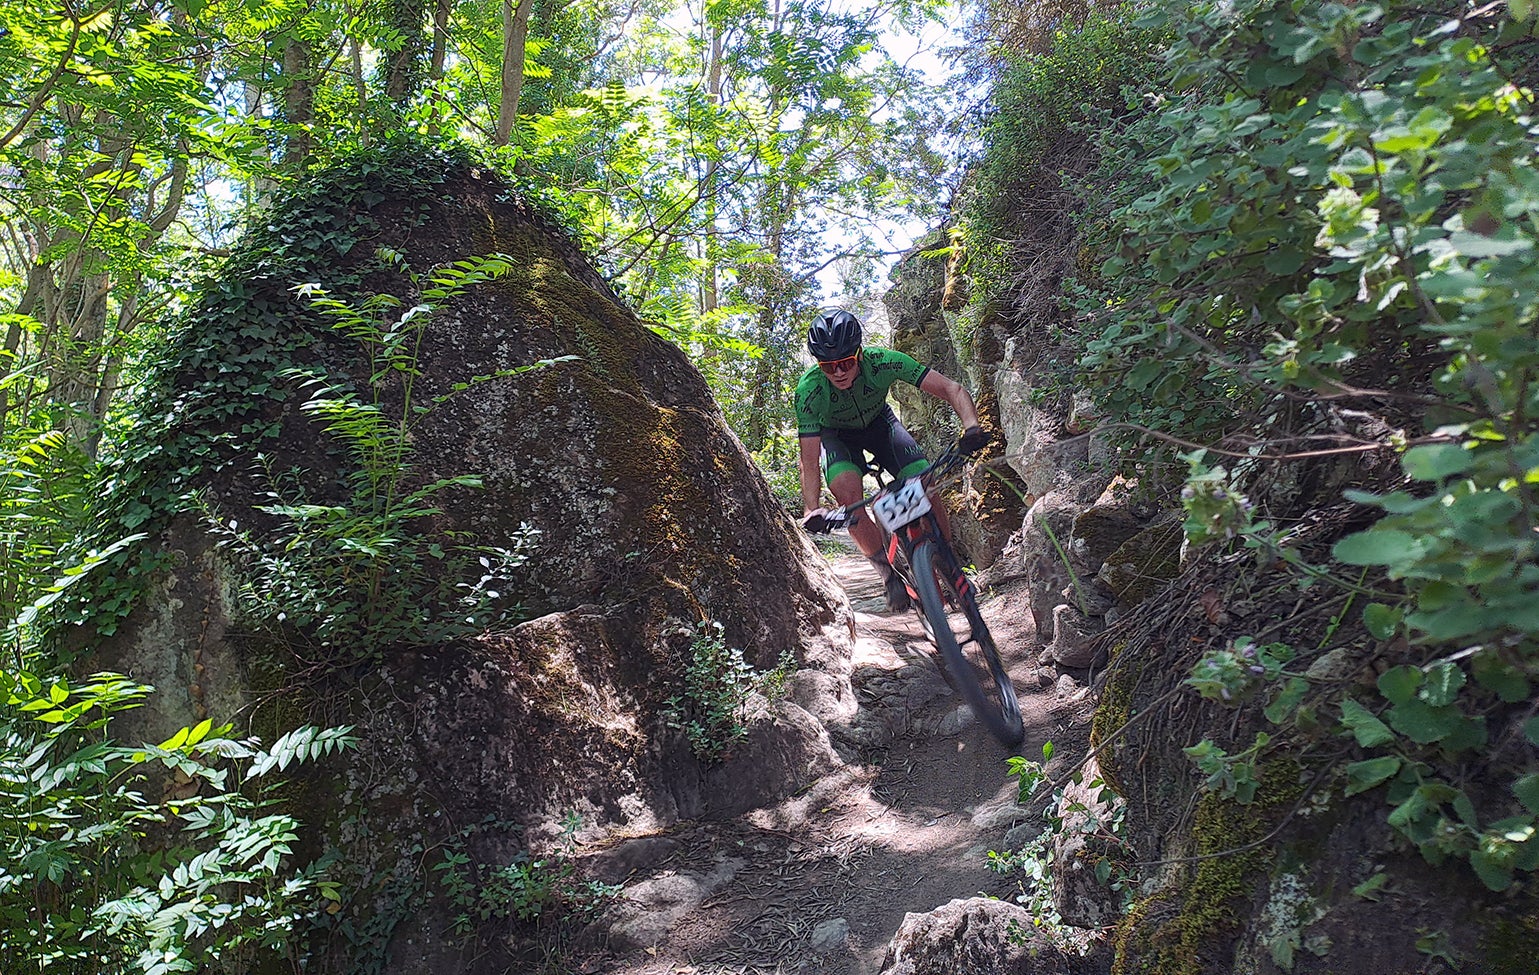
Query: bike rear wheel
x=972 y=660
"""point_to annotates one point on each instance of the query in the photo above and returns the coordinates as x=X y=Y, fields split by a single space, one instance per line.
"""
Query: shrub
x=718 y=682
x=149 y=858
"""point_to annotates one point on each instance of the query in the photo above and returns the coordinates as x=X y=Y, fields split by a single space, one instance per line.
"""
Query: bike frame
x=931 y=573
x=926 y=526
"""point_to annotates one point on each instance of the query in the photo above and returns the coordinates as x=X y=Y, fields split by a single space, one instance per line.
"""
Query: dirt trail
x=821 y=882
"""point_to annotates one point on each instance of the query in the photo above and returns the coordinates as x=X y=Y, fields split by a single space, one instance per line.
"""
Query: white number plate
x=898 y=508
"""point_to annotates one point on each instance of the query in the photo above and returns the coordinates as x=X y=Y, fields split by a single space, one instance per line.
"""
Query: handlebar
x=841 y=517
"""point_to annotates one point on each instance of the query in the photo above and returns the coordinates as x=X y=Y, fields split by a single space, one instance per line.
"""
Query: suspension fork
x=929 y=528
x=925 y=528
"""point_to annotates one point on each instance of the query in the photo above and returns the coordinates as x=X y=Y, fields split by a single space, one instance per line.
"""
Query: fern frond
x=301 y=745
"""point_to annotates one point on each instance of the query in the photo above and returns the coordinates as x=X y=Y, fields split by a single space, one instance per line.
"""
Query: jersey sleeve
x=889 y=366
x=809 y=419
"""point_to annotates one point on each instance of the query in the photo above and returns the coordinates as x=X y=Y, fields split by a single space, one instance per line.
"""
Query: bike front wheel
x=971 y=657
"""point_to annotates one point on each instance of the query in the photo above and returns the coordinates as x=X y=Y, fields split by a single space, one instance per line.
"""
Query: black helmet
x=833 y=335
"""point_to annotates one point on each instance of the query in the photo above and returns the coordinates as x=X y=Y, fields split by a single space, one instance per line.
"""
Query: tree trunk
x=298 y=103
x=360 y=87
x=709 y=298
x=403 y=71
x=440 y=38
x=515 y=36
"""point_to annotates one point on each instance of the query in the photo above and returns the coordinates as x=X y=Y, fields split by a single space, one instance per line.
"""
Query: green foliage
x=1047 y=109
x=1328 y=206
x=360 y=576
x=209 y=387
x=45 y=487
x=526 y=888
x=1310 y=202
x=97 y=876
x=1100 y=828
x=778 y=464
x=1232 y=675
x=1423 y=718
x=718 y=682
x=1232 y=776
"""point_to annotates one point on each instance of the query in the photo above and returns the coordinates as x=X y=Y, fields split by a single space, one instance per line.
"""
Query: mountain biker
x=842 y=411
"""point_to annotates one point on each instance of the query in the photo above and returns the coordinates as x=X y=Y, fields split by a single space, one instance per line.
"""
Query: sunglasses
x=835 y=366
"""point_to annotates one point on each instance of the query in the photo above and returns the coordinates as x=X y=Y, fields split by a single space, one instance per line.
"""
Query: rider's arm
x=952 y=392
x=811 y=461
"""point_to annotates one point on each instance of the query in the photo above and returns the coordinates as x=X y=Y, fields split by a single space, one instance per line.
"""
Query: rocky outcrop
x=1086 y=852
x=988 y=502
x=977 y=936
x=611 y=468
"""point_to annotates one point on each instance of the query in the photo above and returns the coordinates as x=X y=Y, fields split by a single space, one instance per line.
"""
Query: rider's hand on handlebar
x=815 y=521
x=973 y=440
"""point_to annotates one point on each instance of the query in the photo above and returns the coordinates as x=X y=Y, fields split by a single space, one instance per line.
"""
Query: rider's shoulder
x=881 y=358
x=810 y=382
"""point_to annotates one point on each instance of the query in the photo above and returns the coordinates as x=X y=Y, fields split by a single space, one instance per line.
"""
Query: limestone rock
x=652 y=907
x=1144 y=563
x=1074 y=637
x=611 y=464
x=785 y=751
x=1101 y=528
x=1087 y=809
x=830 y=936
x=985 y=510
x=974 y=936
x=1044 y=537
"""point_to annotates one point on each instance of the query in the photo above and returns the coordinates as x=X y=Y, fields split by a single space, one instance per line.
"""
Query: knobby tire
x=976 y=670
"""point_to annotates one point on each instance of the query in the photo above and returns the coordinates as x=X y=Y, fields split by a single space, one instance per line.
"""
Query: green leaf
x=1369 y=889
x=1500 y=677
x=1461 y=618
x=1287 y=701
x=1376 y=546
x=1381 y=620
x=200 y=732
x=1441 y=684
x=1284 y=261
x=1492 y=870
x=1423 y=723
x=1531 y=729
x=1365 y=725
x=1399 y=684
x=1479 y=246
x=1365 y=775
x=1434 y=462
x=1527 y=791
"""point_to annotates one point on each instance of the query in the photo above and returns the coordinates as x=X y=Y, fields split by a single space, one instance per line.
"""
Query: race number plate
x=898 y=508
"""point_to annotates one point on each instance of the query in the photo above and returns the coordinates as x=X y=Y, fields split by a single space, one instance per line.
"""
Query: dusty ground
x=822 y=882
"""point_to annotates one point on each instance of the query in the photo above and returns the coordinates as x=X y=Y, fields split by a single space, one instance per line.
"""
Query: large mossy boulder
x=637 y=511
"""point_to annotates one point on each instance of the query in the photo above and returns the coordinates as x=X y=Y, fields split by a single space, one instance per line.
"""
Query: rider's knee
x=846 y=488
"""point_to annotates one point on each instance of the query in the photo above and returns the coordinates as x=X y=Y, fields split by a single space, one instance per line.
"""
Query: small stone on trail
x=1019 y=836
x=829 y=936
x=957 y=721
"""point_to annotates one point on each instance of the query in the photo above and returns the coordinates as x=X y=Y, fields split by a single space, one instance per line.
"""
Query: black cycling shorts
x=885 y=439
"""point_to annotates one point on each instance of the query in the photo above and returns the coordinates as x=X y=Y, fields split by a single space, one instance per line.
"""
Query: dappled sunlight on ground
x=821 y=881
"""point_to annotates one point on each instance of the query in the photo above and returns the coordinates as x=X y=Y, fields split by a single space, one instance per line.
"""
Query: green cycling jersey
x=822 y=406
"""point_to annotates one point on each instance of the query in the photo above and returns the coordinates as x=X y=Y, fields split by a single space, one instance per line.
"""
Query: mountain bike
x=948 y=606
